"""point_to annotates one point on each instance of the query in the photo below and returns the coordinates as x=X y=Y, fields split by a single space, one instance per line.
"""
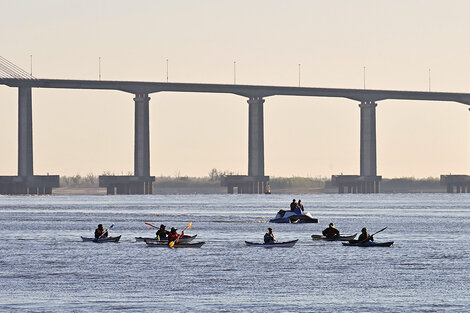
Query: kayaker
x=269 y=236
x=100 y=233
x=331 y=231
x=173 y=235
x=162 y=233
x=364 y=236
x=300 y=205
x=293 y=205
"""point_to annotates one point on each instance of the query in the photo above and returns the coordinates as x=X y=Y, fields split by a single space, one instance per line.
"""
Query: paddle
x=367 y=239
x=172 y=243
x=151 y=225
x=106 y=230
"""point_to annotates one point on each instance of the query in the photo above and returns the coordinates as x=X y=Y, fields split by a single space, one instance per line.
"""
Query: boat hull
x=184 y=239
x=337 y=238
x=101 y=240
x=293 y=217
x=176 y=245
x=369 y=244
x=286 y=244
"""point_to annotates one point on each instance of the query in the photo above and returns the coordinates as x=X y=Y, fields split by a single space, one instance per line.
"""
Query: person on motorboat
x=293 y=205
x=331 y=231
x=269 y=236
x=364 y=236
x=300 y=205
x=162 y=233
x=100 y=232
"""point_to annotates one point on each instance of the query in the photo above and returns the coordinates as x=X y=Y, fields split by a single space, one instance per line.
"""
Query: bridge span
x=256 y=181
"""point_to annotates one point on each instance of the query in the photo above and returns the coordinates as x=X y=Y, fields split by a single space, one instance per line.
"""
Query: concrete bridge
x=255 y=182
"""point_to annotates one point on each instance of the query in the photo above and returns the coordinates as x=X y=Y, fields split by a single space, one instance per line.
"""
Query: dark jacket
x=363 y=237
x=99 y=233
x=268 y=238
x=162 y=234
x=330 y=232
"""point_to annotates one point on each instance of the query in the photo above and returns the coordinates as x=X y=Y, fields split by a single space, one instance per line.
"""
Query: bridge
x=256 y=181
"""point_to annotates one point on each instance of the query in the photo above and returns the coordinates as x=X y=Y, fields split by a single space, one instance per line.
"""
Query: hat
x=331 y=224
x=270 y=229
x=162 y=226
x=173 y=229
x=364 y=229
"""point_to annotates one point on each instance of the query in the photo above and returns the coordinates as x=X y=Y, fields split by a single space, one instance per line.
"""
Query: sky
x=394 y=45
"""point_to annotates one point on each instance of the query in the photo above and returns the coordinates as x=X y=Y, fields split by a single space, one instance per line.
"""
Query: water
x=45 y=267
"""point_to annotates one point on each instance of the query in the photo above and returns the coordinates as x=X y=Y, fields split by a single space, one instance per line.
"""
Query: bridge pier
x=26 y=183
x=141 y=183
x=367 y=181
x=255 y=182
x=456 y=183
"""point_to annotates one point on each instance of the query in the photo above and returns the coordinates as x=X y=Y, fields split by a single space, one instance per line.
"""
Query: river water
x=45 y=267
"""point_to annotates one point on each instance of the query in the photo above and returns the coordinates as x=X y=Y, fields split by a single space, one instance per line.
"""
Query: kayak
x=184 y=239
x=105 y=239
x=177 y=245
x=337 y=238
x=293 y=217
x=368 y=244
x=285 y=244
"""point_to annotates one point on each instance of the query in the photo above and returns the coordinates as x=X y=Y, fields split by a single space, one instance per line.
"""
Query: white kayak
x=184 y=239
x=176 y=245
x=276 y=244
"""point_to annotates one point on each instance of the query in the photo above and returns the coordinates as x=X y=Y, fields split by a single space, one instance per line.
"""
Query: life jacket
x=172 y=237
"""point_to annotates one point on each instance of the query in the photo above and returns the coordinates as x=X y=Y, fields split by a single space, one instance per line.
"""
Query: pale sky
x=93 y=131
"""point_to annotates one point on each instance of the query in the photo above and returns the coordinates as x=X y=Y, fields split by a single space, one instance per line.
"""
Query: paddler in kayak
x=173 y=235
x=162 y=233
x=331 y=231
x=300 y=205
x=269 y=236
x=100 y=233
x=364 y=236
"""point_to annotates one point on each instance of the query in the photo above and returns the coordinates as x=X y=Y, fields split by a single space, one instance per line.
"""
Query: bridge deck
x=250 y=91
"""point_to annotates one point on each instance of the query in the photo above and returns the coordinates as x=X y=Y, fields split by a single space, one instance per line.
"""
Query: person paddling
x=269 y=236
x=331 y=231
x=100 y=232
x=173 y=235
x=300 y=205
x=162 y=233
x=364 y=236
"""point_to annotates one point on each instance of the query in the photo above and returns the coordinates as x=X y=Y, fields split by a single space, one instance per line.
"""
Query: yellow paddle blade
x=172 y=243
x=189 y=225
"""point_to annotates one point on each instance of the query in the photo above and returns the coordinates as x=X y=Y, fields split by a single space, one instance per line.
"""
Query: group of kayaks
x=353 y=242
x=185 y=241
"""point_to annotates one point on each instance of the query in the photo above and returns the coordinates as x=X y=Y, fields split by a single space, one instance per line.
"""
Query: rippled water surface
x=46 y=267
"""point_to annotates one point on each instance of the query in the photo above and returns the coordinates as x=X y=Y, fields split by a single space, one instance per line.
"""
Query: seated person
x=364 y=236
x=173 y=235
x=100 y=232
x=269 y=236
x=293 y=205
x=162 y=233
x=331 y=231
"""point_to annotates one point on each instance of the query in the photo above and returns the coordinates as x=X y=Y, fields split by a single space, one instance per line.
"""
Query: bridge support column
x=368 y=139
x=141 y=136
x=255 y=137
x=25 y=132
x=141 y=183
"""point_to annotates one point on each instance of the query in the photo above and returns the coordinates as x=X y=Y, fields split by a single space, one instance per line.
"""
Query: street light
x=234 y=72
x=299 y=74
